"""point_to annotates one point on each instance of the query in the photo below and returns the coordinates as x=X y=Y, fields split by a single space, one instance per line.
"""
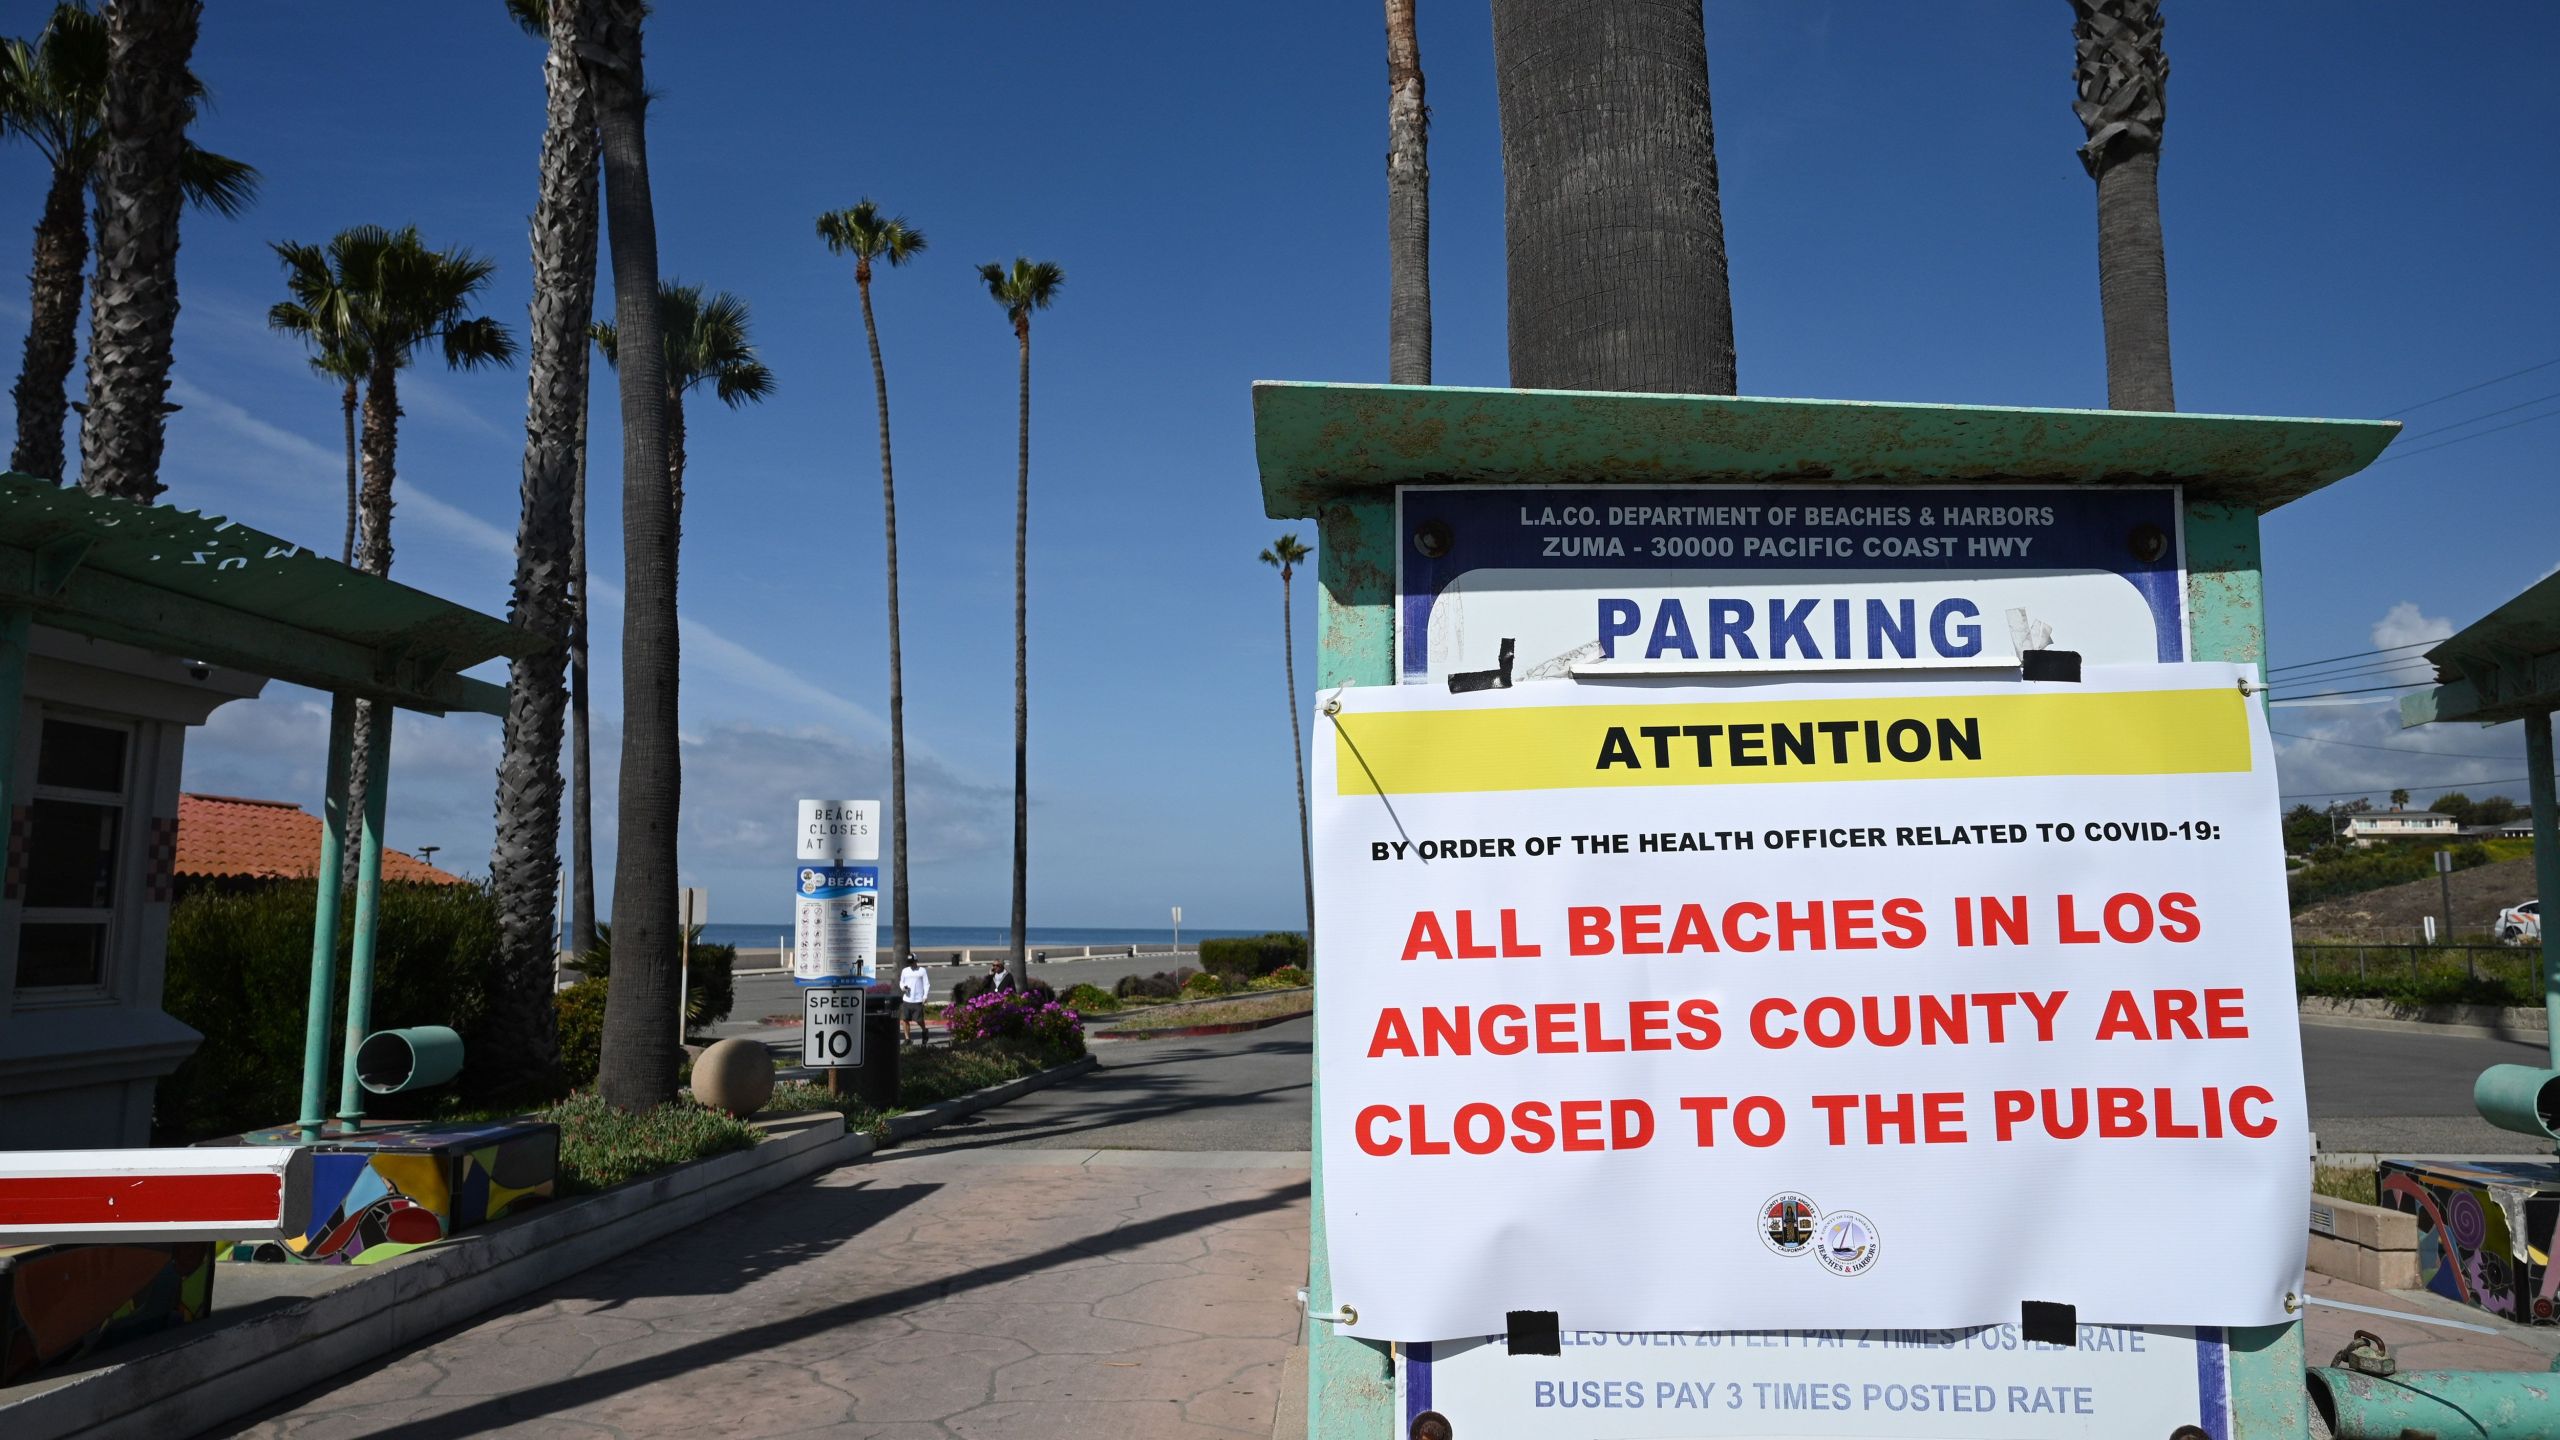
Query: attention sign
x=1895 y=1006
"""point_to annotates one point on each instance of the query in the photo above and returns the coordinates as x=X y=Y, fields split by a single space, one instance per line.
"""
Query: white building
x=2378 y=825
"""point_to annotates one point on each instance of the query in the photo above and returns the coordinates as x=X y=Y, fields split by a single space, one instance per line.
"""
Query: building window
x=75 y=838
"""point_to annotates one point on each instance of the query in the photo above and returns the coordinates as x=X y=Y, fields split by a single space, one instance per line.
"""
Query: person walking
x=914 y=985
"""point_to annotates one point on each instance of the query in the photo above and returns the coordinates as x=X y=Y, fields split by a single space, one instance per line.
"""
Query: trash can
x=875 y=1082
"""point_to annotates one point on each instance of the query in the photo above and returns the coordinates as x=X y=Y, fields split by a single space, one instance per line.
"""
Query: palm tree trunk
x=1298 y=756
x=582 y=799
x=2122 y=74
x=524 y=866
x=2133 y=285
x=347 y=413
x=638 y=1066
x=53 y=324
x=1022 y=672
x=903 y=935
x=1408 y=208
x=134 y=305
x=1613 y=230
x=381 y=449
x=675 y=486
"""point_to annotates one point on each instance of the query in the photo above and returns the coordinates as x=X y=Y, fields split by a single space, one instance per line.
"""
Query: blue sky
x=2359 y=210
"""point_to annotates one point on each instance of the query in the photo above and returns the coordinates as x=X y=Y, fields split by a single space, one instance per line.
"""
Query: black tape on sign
x=1533 y=1332
x=2046 y=1323
x=1498 y=678
x=2058 y=666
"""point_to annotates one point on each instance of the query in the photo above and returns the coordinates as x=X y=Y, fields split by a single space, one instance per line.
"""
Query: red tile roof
x=226 y=836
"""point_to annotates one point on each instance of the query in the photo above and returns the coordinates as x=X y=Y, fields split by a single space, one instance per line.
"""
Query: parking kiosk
x=1490 y=538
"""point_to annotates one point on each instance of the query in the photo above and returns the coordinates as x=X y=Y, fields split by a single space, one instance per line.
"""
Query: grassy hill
x=2392 y=913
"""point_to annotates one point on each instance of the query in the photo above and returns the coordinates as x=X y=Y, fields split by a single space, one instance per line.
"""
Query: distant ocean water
x=941 y=937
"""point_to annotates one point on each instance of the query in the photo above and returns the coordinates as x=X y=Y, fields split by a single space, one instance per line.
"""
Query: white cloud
x=2405 y=624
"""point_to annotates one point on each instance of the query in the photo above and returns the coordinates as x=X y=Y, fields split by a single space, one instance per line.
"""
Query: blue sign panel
x=1768 y=577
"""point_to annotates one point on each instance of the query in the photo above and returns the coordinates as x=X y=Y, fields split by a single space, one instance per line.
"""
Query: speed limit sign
x=832 y=1033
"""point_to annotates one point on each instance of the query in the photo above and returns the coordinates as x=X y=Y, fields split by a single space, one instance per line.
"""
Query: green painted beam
x=112 y=607
x=1319 y=442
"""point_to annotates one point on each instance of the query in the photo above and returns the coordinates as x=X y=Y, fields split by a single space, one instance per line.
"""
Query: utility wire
x=2394 y=749
x=2366 y=690
x=2409 y=665
x=2385 y=650
x=2467 y=389
x=2474 y=435
x=2437 y=785
x=2483 y=415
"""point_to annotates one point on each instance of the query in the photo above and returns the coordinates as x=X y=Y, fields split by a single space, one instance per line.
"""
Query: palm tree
x=637 y=1070
x=1287 y=554
x=384 y=294
x=2123 y=79
x=334 y=359
x=133 y=308
x=1021 y=289
x=706 y=343
x=524 y=864
x=2399 y=798
x=1606 y=130
x=1408 y=209
x=868 y=235
x=53 y=94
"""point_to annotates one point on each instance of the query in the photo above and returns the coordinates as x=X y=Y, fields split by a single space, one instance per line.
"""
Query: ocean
x=952 y=937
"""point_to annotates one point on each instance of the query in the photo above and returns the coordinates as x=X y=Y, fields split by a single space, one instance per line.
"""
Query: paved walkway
x=1081 y=1263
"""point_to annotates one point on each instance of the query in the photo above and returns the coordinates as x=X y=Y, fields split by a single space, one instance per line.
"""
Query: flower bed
x=1040 y=1028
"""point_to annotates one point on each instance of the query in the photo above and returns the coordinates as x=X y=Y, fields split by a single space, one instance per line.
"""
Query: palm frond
x=607 y=340
x=470 y=344
x=862 y=230
x=533 y=17
x=216 y=182
x=743 y=383
x=1027 y=286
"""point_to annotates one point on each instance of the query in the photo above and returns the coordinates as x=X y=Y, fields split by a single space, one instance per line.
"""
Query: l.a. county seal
x=1846 y=1243
x=1786 y=1222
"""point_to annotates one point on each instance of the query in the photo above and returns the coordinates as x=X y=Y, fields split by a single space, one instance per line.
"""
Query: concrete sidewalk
x=984 y=1294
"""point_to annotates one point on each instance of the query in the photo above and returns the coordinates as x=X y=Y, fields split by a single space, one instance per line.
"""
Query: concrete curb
x=1238 y=1028
x=198 y=1376
x=2478 y=1022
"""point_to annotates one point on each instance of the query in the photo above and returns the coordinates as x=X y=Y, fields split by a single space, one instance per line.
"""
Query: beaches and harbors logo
x=1844 y=1242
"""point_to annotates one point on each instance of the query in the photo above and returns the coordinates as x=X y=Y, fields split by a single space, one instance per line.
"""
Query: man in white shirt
x=914 y=985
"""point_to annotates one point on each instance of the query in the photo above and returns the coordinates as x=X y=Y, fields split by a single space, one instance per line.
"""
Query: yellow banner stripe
x=1564 y=747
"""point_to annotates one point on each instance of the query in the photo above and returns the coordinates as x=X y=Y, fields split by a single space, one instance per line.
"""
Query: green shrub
x=1162 y=985
x=1242 y=958
x=240 y=967
x=1203 y=987
x=579 y=1011
x=709 y=991
x=2335 y=871
x=927 y=1076
x=601 y=1147
x=1291 y=975
x=1091 y=1000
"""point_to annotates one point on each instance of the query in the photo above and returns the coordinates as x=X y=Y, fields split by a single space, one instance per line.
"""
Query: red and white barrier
x=103 y=1196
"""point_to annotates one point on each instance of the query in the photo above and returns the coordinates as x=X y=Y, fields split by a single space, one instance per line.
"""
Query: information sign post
x=1481 y=540
x=836 y=919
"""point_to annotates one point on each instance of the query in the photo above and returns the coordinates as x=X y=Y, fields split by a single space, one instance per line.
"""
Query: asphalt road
x=1212 y=1092
x=762 y=995
x=2391 y=1090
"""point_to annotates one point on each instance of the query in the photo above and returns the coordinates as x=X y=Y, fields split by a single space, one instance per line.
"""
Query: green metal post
x=324 y=921
x=13 y=696
x=368 y=909
x=2546 y=848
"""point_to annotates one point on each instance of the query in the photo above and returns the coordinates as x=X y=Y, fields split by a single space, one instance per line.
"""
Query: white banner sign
x=1684 y=1008
x=1979 y=1384
x=839 y=830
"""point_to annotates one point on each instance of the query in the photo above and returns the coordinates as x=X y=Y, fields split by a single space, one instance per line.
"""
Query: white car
x=2520 y=924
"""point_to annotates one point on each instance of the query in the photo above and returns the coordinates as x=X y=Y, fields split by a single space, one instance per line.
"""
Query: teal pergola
x=200 y=587
x=2506 y=666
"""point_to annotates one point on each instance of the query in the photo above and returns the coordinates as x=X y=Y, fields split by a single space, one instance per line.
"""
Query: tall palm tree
x=637 y=1070
x=1606 y=131
x=385 y=295
x=524 y=863
x=1287 y=554
x=1024 y=287
x=2123 y=103
x=706 y=343
x=133 y=308
x=1408 y=206
x=53 y=94
x=868 y=235
x=333 y=359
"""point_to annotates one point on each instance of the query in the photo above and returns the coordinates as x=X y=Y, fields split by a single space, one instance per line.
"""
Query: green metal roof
x=2503 y=666
x=1317 y=442
x=205 y=588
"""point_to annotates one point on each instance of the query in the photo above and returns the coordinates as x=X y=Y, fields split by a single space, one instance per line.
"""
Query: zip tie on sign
x=1342 y=1315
